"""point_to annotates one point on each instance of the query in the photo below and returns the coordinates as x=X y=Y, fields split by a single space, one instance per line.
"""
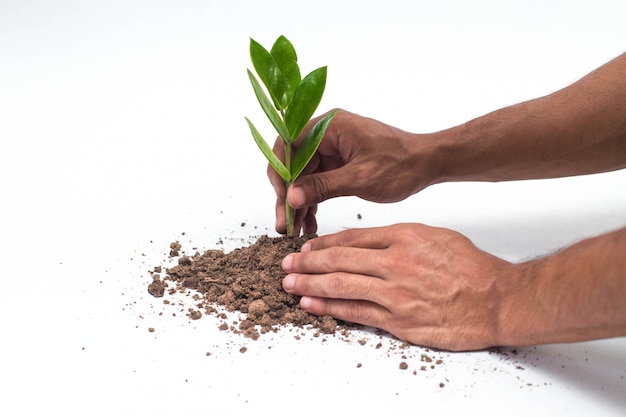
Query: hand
x=429 y=286
x=358 y=156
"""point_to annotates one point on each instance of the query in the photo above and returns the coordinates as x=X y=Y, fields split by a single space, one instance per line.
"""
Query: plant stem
x=289 y=218
x=288 y=208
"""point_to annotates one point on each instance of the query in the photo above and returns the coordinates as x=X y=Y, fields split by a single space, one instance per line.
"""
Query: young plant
x=291 y=103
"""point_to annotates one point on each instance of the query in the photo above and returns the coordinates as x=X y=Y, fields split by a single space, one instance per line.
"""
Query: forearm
x=574 y=295
x=580 y=129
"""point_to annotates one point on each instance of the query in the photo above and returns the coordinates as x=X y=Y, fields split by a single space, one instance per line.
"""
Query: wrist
x=573 y=295
x=446 y=156
x=466 y=152
x=516 y=323
x=427 y=156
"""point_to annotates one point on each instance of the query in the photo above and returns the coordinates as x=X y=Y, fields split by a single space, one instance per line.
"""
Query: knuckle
x=348 y=238
x=404 y=231
x=336 y=285
x=300 y=263
x=364 y=313
x=320 y=188
x=302 y=285
x=333 y=259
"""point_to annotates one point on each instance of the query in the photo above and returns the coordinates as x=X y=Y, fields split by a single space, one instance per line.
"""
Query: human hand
x=358 y=156
x=429 y=286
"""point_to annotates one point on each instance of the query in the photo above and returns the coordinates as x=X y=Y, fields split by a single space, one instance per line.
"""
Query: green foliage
x=291 y=103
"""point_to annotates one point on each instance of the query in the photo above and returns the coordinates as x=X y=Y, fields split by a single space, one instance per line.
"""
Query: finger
x=353 y=311
x=314 y=188
x=298 y=218
x=337 y=259
x=310 y=221
x=366 y=238
x=304 y=219
x=279 y=189
x=281 y=222
x=277 y=182
x=338 y=285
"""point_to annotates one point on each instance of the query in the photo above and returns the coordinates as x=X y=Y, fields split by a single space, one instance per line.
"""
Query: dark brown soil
x=246 y=280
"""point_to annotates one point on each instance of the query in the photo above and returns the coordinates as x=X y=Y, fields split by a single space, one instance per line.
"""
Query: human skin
x=432 y=286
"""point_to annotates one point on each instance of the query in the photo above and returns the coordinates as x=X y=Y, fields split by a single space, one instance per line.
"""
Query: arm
x=574 y=295
x=580 y=129
x=433 y=287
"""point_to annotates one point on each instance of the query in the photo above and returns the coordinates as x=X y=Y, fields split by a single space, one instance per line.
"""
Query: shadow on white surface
x=598 y=371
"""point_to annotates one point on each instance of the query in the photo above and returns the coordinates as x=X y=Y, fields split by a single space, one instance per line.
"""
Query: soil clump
x=246 y=280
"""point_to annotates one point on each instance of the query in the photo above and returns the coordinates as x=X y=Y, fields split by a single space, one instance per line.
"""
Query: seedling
x=291 y=103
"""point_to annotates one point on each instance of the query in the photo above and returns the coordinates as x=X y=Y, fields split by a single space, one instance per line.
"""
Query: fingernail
x=289 y=282
x=287 y=262
x=305 y=303
x=306 y=247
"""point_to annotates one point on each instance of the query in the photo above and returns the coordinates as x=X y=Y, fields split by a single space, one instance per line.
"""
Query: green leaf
x=284 y=55
x=271 y=157
x=269 y=73
x=309 y=145
x=305 y=100
x=268 y=108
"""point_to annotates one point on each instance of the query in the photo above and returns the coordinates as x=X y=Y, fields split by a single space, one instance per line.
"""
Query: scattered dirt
x=246 y=280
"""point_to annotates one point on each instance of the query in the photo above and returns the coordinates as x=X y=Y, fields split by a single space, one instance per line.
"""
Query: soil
x=246 y=280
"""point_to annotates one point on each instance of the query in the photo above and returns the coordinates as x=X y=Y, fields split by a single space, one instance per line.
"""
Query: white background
x=122 y=130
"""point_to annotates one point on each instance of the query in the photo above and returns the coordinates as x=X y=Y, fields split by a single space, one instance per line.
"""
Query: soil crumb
x=246 y=280
x=156 y=288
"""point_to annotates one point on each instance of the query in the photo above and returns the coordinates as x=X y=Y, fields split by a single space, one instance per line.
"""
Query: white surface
x=121 y=127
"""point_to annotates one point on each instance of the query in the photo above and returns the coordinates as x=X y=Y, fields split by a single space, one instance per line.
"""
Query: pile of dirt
x=246 y=280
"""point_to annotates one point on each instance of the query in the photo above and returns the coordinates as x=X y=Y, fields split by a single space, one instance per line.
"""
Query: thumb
x=312 y=189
